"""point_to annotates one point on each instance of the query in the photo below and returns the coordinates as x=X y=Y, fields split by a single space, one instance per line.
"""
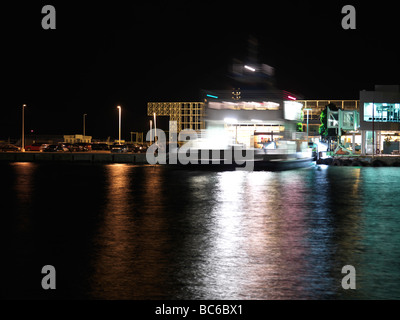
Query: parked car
x=138 y=149
x=73 y=148
x=131 y=147
x=83 y=146
x=44 y=146
x=119 y=148
x=56 y=148
x=51 y=148
x=9 y=147
x=100 y=146
x=34 y=147
x=63 y=147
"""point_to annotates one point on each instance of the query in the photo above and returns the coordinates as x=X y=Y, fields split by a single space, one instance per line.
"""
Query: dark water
x=144 y=232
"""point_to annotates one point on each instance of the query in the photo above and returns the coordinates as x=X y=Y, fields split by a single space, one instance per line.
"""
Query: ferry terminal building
x=255 y=112
x=252 y=117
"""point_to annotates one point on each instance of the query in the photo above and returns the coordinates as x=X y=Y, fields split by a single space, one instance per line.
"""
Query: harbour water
x=121 y=231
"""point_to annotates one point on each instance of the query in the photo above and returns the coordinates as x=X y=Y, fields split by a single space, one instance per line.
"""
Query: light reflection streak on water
x=262 y=222
x=292 y=235
x=112 y=265
x=152 y=246
x=133 y=248
x=227 y=257
x=23 y=186
x=253 y=221
x=264 y=241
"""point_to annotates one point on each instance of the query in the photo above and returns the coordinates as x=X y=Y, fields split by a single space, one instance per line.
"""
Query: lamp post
x=308 y=109
x=119 y=127
x=151 y=129
x=84 y=129
x=155 y=128
x=23 y=128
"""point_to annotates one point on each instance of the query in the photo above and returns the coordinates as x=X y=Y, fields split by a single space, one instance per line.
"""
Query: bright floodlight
x=250 y=68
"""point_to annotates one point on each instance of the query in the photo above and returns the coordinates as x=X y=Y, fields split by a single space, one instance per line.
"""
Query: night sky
x=105 y=54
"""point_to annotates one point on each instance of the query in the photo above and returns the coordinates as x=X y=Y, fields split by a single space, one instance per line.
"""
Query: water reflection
x=23 y=186
x=258 y=241
x=146 y=232
x=132 y=246
x=113 y=260
x=226 y=257
x=378 y=271
x=277 y=235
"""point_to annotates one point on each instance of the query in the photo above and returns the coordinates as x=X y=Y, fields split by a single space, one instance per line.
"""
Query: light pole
x=119 y=130
x=307 y=121
x=155 y=128
x=84 y=131
x=23 y=128
x=151 y=129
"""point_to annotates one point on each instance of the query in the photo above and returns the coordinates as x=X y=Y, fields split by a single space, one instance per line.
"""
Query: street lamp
x=84 y=131
x=119 y=131
x=155 y=127
x=23 y=128
x=151 y=129
x=308 y=109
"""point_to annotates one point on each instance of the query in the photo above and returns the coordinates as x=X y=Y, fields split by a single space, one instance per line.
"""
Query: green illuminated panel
x=382 y=112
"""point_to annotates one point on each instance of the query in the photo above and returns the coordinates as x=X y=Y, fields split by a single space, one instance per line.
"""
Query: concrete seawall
x=362 y=161
x=89 y=157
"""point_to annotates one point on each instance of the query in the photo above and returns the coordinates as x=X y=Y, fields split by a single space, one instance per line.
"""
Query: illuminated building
x=77 y=138
x=254 y=112
x=187 y=115
x=258 y=117
x=317 y=106
x=380 y=120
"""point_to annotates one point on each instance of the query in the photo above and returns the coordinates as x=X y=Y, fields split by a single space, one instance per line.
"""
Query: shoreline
x=79 y=157
x=362 y=161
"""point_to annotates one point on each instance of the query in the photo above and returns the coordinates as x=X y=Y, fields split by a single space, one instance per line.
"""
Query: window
x=382 y=112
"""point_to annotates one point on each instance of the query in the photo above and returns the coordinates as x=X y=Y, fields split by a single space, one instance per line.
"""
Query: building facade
x=251 y=117
x=380 y=120
x=315 y=107
x=77 y=138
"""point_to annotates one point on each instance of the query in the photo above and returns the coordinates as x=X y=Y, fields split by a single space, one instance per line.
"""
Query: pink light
x=291 y=98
